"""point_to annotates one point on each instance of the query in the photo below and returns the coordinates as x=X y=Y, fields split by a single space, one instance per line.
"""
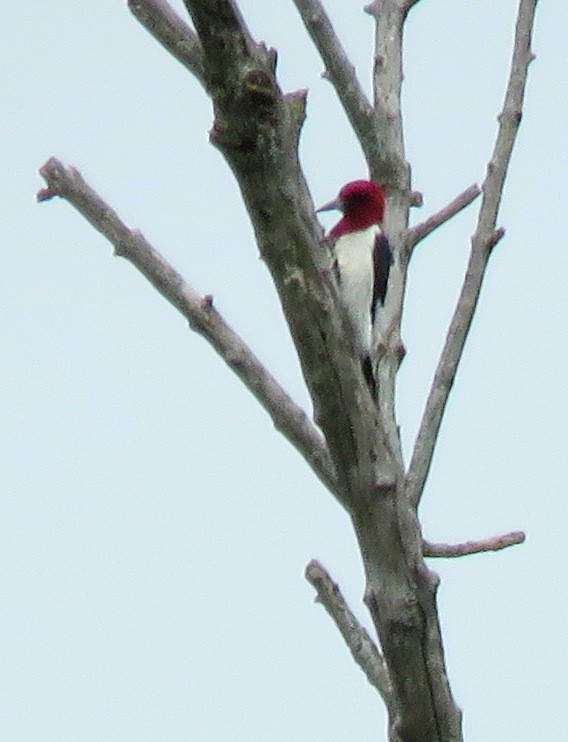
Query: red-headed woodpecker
x=362 y=260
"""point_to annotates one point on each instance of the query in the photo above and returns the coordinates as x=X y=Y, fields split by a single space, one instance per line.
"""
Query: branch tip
x=416 y=199
x=494 y=543
x=368 y=597
x=496 y=237
x=45 y=194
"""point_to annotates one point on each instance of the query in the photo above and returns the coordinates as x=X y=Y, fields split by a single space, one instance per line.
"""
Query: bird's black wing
x=382 y=261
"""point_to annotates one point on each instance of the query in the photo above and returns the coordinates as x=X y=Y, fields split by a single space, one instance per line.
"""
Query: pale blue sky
x=154 y=526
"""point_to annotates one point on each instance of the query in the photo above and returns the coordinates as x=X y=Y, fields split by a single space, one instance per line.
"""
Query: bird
x=362 y=261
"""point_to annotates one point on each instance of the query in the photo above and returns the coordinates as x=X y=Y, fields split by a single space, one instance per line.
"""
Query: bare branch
x=288 y=418
x=257 y=129
x=392 y=168
x=422 y=230
x=172 y=32
x=341 y=73
x=494 y=543
x=362 y=647
x=485 y=238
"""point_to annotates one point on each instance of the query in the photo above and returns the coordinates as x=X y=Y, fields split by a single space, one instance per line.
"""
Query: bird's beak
x=330 y=206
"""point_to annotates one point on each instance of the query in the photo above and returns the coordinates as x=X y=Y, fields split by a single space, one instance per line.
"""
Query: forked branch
x=485 y=238
x=288 y=418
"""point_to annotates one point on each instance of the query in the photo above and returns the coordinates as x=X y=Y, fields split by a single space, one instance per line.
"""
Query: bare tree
x=353 y=446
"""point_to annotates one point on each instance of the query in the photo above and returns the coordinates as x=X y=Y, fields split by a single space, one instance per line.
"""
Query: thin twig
x=485 y=238
x=172 y=32
x=341 y=73
x=361 y=646
x=422 y=230
x=494 y=543
x=288 y=418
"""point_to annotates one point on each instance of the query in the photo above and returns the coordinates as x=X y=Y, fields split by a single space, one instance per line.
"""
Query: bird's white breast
x=354 y=255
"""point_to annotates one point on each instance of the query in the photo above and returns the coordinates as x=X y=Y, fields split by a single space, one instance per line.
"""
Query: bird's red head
x=362 y=203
